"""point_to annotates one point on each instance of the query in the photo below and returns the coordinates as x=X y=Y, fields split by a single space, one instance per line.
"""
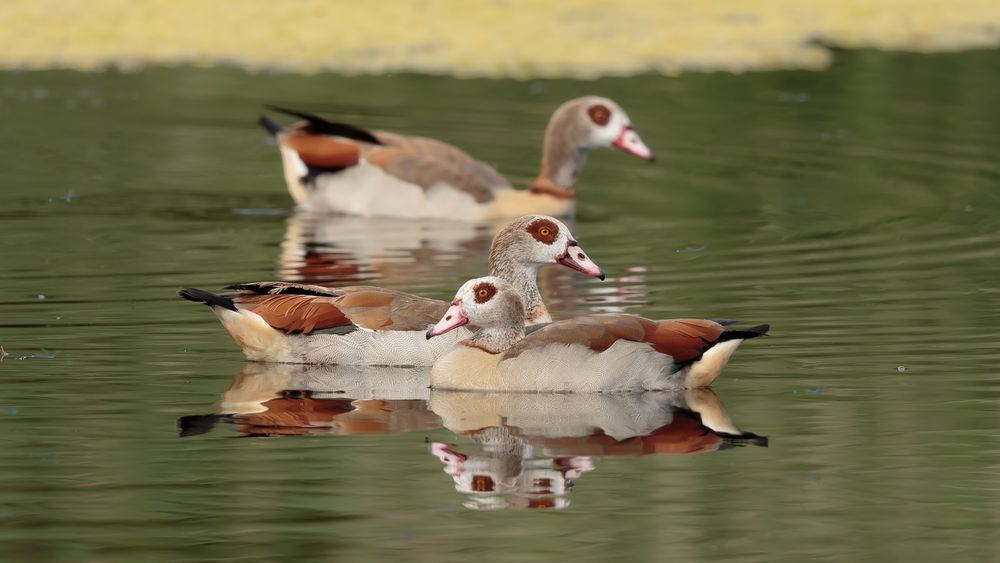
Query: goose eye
x=484 y=292
x=544 y=231
x=599 y=114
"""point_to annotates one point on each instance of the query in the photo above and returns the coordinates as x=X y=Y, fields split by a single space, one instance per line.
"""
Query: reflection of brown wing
x=302 y=415
x=322 y=151
x=683 y=340
x=291 y=411
x=684 y=435
x=324 y=267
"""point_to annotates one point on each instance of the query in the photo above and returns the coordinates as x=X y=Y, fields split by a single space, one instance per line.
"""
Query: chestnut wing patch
x=684 y=340
x=296 y=314
x=323 y=152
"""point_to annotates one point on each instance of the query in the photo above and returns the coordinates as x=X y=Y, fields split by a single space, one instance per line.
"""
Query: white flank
x=262 y=343
x=374 y=348
x=625 y=366
x=369 y=191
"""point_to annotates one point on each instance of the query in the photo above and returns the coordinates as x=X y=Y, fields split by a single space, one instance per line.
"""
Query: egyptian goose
x=308 y=324
x=341 y=168
x=614 y=352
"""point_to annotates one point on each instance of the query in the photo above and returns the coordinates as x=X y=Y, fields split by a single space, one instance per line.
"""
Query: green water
x=856 y=210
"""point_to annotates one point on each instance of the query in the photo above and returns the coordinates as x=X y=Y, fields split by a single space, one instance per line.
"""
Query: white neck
x=496 y=340
x=524 y=278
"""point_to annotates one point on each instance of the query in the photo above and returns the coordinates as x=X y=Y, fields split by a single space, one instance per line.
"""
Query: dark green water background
x=855 y=209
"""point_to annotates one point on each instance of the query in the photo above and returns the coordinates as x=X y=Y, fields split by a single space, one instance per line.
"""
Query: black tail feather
x=206 y=297
x=319 y=125
x=272 y=127
x=752 y=332
x=195 y=425
x=744 y=438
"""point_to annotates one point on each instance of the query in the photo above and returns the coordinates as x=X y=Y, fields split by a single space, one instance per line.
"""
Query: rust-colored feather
x=303 y=309
x=295 y=314
x=684 y=340
x=322 y=151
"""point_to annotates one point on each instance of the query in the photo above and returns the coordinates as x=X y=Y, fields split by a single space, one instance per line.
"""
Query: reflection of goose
x=294 y=323
x=591 y=353
x=285 y=399
x=530 y=449
x=533 y=447
x=504 y=473
x=324 y=249
x=341 y=168
x=341 y=249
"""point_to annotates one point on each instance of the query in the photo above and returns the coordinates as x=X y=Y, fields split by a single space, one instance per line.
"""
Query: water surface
x=854 y=209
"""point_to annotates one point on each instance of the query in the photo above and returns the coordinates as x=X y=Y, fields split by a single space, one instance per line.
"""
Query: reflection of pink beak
x=629 y=141
x=578 y=260
x=445 y=453
x=451 y=320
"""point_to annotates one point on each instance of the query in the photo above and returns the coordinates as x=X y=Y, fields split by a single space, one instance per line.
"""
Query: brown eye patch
x=483 y=292
x=544 y=231
x=599 y=114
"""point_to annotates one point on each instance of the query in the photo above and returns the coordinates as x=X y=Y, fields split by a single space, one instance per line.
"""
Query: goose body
x=308 y=324
x=341 y=168
x=593 y=353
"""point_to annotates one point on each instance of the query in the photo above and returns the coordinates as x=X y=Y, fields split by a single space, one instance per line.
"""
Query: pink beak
x=629 y=141
x=578 y=260
x=451 y=320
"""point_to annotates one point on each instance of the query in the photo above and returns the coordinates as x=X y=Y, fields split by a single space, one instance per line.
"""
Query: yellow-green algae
x=499 y=38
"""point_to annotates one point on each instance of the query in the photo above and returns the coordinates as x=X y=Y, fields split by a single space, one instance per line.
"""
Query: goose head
x=489 y=303
x=594 y=122
x=535 y=240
